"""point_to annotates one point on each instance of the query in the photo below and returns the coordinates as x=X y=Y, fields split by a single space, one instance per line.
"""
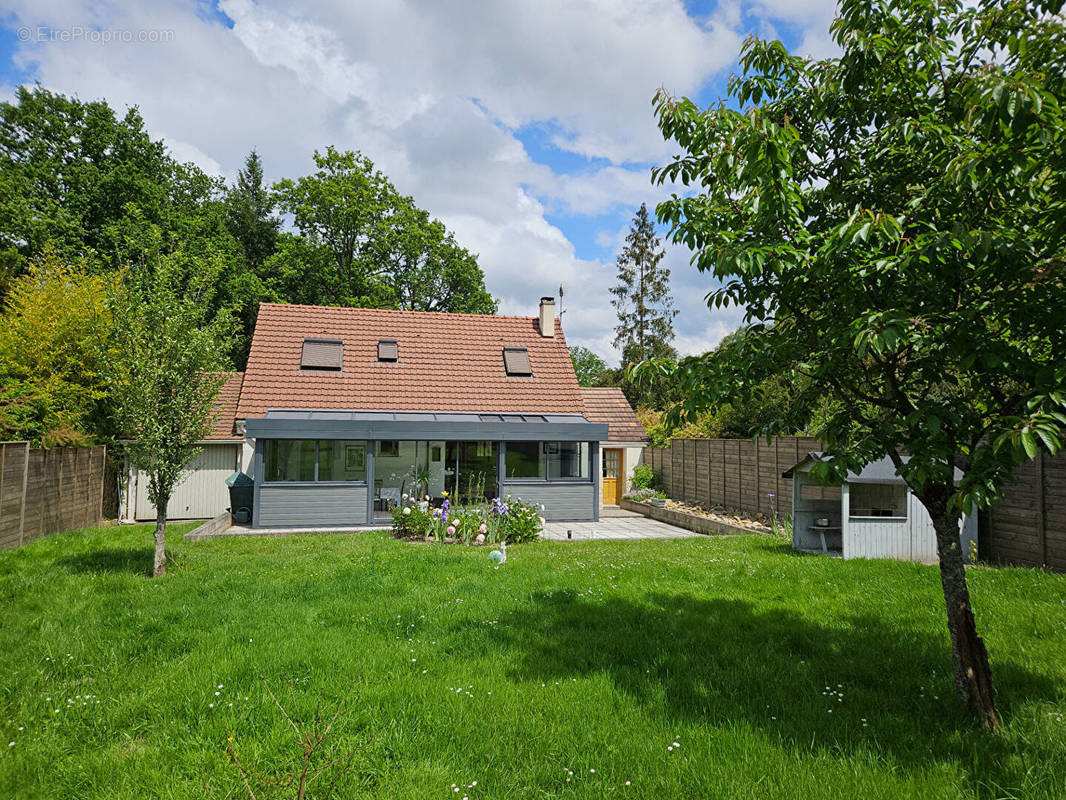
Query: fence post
x=22 y=504
x=758 y=483
x=103 y=480
x=1041 y=521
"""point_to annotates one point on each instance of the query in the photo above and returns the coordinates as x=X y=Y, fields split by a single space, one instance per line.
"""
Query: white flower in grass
x=407 y=511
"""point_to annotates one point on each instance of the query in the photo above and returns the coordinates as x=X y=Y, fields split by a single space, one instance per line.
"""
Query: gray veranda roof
x=880 y=471
x=296 y=424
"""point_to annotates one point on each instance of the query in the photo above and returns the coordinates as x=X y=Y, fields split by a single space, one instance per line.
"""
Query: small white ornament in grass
x=499 y=556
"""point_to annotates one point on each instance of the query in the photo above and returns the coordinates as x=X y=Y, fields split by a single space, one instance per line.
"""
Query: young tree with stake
x=893 y=223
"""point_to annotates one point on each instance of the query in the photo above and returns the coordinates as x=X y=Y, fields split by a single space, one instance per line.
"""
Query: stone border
x=210 y=529
x=682 y=519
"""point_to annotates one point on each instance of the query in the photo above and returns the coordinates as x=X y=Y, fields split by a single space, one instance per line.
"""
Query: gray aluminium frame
x=454 y=427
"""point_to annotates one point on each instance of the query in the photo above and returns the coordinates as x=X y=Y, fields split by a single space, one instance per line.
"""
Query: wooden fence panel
x=12 y=471
x=46 y=491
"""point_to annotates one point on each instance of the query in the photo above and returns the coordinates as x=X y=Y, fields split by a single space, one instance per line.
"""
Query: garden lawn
x=569 y=672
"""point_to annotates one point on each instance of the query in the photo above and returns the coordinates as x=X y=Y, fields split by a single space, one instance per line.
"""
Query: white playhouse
x=873 y=515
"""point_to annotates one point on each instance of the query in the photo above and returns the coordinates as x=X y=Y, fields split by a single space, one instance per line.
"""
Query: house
x=624 y=446
x=872 y=515
x=342 y=411
x=202 y=493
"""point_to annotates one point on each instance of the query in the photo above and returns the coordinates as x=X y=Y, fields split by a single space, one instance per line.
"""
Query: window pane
x=341 y=460
x=567 y=459
x=290 y=460
x=877 y=500
x=524 y=461
x=477 y=470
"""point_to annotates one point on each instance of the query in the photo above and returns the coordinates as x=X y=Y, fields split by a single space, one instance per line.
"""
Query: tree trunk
x=159 y=565
x=973 y=675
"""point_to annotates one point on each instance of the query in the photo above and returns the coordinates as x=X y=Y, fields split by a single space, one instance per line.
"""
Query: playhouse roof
x=880 y=471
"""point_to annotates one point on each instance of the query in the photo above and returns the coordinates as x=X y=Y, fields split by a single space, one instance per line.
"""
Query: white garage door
x=203 y=494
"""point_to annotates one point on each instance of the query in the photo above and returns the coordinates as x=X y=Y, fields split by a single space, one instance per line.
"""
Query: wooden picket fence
x=46 y=491
x=1027 y=527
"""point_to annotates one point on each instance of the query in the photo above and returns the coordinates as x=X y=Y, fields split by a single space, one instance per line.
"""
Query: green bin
x=241 y=497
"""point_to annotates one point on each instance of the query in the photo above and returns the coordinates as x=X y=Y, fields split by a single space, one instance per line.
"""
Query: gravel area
x=722 y=515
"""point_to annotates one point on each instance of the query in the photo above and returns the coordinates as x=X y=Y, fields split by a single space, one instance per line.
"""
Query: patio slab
x=636 y=527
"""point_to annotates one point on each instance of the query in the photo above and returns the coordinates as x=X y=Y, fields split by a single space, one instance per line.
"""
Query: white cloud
x=436 y=94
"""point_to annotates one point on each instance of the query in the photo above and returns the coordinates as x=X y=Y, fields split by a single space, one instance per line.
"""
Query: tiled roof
x=608 y=404
x=226 y=404
x=448 y=362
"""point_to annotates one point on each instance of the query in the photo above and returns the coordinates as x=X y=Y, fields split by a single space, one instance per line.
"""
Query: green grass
x=598 y=656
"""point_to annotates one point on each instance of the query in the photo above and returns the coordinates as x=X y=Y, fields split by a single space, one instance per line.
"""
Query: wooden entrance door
x=612 y=476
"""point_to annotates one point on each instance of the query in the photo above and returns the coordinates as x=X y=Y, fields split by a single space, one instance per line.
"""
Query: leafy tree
x=642 y=295
x=53 y=342
x=892 y=222
x=164 y=376
x=368 y=245
x=590 y=368
x=343 y=208
x=427 y=269
x=69 y=170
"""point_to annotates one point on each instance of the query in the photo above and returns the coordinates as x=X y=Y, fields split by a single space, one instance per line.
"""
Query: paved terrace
x=614 y=524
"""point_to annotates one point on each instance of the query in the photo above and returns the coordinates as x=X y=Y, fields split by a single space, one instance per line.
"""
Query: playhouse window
x=878 y=500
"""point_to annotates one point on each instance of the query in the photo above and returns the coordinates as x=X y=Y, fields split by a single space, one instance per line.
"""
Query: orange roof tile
x=447 y=362
x=608 y=404
x=226 y=405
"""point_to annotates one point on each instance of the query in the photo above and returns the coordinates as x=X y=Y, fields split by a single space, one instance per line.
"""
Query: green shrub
x=644 y=477
x=522 y=521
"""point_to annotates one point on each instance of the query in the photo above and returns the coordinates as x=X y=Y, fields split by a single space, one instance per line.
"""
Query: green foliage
x=54 y=338
x=642 y=296
x=364 y=244
x=891 y=222
x=590 y=368
x=644 y=306
x=644 y=477
x=164 y=374
x=523 y=521
x=70 y=170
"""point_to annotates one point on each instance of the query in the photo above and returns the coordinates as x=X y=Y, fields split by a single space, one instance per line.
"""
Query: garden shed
x=872 y=515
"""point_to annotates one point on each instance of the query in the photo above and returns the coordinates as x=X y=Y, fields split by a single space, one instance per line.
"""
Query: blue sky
x=527 y=128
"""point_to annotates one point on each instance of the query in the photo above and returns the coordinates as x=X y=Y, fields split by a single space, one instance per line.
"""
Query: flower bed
x=508 y=520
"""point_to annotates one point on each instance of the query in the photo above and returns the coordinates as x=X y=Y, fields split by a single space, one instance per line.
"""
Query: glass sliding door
x=408 y=467
x=471 y=470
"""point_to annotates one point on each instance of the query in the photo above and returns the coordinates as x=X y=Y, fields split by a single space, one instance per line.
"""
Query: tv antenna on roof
x=561 y=311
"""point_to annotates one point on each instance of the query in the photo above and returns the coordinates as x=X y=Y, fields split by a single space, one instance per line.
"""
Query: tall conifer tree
x=642 y=296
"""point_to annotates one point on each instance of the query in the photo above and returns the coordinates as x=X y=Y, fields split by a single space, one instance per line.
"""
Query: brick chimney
x=547 y=317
